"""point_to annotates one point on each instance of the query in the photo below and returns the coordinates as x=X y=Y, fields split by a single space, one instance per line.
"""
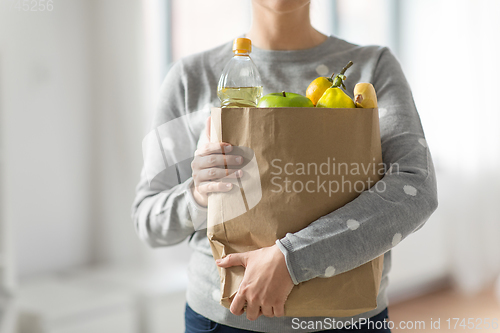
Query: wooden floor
x=448 y=304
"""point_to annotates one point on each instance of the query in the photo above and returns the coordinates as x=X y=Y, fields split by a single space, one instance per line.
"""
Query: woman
x=288 y=51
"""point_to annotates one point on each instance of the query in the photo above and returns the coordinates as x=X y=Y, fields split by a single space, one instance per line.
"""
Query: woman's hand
x=210 y=165
x=265 y=285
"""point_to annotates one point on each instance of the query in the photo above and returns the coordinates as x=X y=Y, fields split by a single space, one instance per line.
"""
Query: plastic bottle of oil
x=240 y=85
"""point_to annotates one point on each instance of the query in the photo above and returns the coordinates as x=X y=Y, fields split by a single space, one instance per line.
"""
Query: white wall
x=74 y=109
x=452 y=65
x=117 y=124
x=45 y=129
x=199 y=25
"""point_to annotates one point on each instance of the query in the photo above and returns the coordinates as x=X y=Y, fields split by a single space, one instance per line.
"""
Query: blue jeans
x=196 y=323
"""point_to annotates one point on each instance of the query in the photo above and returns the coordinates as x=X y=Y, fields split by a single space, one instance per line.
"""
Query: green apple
x=285 y=100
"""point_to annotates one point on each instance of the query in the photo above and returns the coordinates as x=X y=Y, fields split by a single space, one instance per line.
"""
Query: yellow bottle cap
x=242 y=45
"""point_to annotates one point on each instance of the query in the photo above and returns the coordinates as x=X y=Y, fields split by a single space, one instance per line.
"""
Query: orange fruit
x=318 y=87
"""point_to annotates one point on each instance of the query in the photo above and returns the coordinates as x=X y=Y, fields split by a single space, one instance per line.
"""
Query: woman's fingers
x=238 y=305
x=210 y=187
x=210 y=166
x=267 y=310
x=214 y=174
x=253 y=311
x=279 y=311
x=218 y=160
x=213 y=148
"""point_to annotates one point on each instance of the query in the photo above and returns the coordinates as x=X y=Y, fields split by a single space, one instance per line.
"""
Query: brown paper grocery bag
x=288 y=153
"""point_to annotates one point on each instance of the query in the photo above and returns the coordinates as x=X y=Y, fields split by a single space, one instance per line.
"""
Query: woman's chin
x=282 y=6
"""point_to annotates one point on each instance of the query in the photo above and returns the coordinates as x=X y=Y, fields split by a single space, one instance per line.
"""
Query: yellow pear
x=365 y=96
x=334 y=97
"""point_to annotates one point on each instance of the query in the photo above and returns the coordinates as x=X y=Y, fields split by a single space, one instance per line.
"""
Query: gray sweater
x=165 y=213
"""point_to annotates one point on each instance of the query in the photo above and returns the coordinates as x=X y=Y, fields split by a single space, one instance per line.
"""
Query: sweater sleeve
x=379 y=219
x=164 y=211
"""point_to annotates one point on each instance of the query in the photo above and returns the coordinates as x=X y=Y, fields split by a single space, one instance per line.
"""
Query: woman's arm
x=164 y=211
x=167 y=217
x=171 y=197
x=379 y=219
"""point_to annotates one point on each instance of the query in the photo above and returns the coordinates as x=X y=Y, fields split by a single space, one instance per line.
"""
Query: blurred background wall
x=78 y=85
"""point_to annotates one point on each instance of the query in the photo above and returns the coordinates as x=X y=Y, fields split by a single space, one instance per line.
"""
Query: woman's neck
x=283 y=31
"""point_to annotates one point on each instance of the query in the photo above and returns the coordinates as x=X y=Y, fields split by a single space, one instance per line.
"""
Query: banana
x=365 y=96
